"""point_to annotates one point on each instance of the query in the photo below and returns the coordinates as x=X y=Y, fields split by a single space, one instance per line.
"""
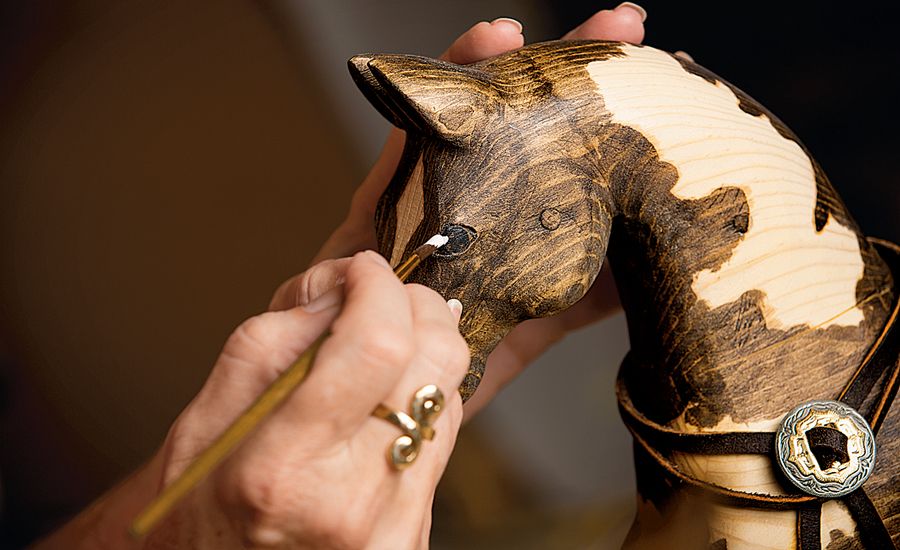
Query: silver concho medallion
x=795 y=455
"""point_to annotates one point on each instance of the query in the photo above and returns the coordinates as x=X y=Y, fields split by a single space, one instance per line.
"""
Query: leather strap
x=809 y=527
x=872 y=531
x=882 y=356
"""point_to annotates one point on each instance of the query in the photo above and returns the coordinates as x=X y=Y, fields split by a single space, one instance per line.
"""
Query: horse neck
x=747 y=286
x=708 y=366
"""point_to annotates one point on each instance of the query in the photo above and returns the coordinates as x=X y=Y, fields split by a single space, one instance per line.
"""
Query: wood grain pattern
x=747 y=286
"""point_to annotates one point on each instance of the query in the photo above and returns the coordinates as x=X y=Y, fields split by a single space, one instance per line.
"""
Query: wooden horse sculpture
x=747 y=286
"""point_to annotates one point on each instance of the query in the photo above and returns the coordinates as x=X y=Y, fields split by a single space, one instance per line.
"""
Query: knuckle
x=361 y=259
x=254 y=333
x=257 y=498
x=307 y=286
x=273 y=502
x=267 y=510
x=385 y=346
x=368 y=264
x=249 y=339
x=251 y=348
x=300 y=289
x=184 y=432
x=290 y=293
x=319 y=279
x=439 y=339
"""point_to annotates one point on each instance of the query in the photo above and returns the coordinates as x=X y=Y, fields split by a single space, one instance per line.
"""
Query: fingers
x=306 y=287
x=485 y=40
x=625 y=23
x=370 y=347
x=441 y=356
x=413 y=498
x=369 y=350
x=268 y=486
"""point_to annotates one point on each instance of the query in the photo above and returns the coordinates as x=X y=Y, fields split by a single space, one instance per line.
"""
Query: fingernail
x=455 y=308
x=641 y=11
x=509 y=20
x=378 y=258
x=330 y=299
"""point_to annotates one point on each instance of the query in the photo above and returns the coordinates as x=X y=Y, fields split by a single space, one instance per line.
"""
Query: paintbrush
x=264 y=405
x=407 y=266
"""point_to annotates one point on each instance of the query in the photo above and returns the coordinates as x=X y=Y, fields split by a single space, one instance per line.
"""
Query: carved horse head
x=495 y=159
x=528 y=159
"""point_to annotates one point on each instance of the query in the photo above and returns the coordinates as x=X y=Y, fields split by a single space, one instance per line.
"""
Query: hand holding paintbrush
x=387 y=339
x=272 y=398
x=312 y=472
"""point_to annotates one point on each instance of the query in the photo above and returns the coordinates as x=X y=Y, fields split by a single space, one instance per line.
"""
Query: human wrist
x=104 y=524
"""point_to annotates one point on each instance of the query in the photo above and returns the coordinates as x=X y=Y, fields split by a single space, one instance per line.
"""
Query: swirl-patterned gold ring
x=425 y=406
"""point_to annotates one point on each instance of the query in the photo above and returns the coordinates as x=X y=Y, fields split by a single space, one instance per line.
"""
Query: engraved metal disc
x=796 y=459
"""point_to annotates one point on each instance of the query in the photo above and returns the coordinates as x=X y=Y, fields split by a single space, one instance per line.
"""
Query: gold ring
x=425 y=406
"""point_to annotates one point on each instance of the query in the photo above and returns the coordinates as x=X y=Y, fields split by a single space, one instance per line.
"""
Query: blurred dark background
x=164 y=165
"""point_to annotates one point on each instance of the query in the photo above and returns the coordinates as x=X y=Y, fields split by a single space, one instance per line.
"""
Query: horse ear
x=450 y=101
x=373 y=90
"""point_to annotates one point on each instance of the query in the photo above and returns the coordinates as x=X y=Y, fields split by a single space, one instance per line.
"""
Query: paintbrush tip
x=437 y=241
x=430 y=246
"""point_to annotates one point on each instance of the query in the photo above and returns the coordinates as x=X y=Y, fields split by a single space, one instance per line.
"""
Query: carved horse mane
x=747 y=286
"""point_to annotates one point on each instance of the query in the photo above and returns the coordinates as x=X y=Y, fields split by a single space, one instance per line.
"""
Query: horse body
x=747 y=286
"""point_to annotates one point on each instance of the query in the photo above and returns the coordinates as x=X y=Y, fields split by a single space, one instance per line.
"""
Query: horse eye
x=461 y=238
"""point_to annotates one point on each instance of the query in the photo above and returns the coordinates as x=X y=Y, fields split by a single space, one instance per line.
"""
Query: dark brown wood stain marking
x=840 y=541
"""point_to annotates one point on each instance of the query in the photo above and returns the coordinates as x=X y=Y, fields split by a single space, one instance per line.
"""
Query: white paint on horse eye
x=438 y=241
x=808 y=278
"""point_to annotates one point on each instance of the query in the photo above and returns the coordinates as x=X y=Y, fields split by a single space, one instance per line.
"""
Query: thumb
x=306 y=287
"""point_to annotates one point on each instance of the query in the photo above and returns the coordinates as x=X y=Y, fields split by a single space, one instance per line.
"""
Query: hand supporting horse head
x=747 y=286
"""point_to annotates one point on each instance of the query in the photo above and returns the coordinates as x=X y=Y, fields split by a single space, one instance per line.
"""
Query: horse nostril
x=461 y=238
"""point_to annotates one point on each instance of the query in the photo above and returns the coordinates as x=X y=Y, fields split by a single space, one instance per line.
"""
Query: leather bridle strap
x=809 y=526
x=882 y=358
